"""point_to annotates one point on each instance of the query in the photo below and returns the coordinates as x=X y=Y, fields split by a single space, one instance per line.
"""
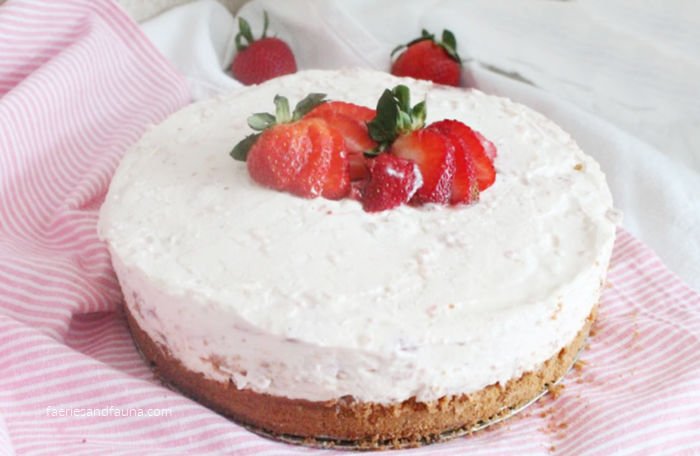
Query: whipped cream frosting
x=317 y=299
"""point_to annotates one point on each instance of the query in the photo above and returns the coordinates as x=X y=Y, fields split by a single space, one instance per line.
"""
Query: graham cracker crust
x=359 y=425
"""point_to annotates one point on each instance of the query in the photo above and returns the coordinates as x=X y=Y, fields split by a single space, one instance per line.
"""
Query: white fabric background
x=141 y=10
x=621 y=76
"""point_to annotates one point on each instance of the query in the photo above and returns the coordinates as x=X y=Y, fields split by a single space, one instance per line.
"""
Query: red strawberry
x=392 y=182
x=468 y=140
x=465 y=188
x=426 y=58
x=262 y=59
x=305 y=158
x=351 y=121
x=434 y=155
x=302 y=156
x=489 y=147
x=351 y=110
x=356 y=189
x=327 y=171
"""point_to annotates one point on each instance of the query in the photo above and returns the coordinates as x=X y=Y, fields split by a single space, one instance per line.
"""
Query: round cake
x=312 y=318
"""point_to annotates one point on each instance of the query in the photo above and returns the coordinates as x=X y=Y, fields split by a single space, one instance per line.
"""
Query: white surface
x=620 y=76
x=141 y=10
x=204 y=52
x=426 y=302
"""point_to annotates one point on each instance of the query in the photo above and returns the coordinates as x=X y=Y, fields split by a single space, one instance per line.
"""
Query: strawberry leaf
x=239 y=43
x=261 y=121
x=243 y=33
x=307 y=104
x=404 y=123
x=394 y=117
x=266 y=24
x=403 y=97
x=282 y=113
x=240 y=152
x=449 y=40
x=246 y=33
x=383 y=127
x=397 y=49
x=449 y=44
x=418 y=114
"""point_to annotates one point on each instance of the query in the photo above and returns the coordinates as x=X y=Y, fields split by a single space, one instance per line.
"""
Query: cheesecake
x=314 y=319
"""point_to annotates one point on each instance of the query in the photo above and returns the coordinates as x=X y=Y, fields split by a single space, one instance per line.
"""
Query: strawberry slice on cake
x=383 y=157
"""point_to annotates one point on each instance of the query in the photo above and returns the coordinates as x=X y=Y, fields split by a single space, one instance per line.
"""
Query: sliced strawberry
x=356 y=189
x=392 y=182
x=278 y=155
x=351 y=121
x=337 y=180
x=358 y=166
x=469 y=141
x=351 y=110
x=489 y=147
x=485 y=172
x=465 y=189
x=305 y=158
x=357 y=141
x=434 y=155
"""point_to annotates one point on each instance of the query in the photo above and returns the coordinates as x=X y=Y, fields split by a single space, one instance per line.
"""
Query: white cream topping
x=317 y=299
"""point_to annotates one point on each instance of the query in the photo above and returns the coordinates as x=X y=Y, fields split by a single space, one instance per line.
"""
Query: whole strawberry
x=429 y=59
x=259 y=60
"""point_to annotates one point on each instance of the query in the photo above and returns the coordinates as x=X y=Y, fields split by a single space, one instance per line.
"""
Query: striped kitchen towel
x=78 y=85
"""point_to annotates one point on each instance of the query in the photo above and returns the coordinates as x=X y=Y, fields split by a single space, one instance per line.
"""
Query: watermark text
x=110 y=411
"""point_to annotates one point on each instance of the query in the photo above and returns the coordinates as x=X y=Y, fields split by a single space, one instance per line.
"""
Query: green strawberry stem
x=261 y=121
x=395 y=117
x=246 y=33
x=448 y=42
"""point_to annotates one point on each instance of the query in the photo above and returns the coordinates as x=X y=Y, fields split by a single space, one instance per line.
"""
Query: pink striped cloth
x=78 y=85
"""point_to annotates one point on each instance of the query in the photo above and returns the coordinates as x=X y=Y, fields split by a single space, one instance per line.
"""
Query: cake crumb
x=557 y=311
x=555 y=390
x=578 y=166
x=552 y=449
x=579 y=365
x=633 y=343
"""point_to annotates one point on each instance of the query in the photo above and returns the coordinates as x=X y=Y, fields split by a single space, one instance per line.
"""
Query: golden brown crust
x=367 y=425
